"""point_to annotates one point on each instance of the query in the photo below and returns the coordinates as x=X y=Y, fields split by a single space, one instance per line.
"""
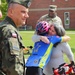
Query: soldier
x=51 y=17
x=11 y=47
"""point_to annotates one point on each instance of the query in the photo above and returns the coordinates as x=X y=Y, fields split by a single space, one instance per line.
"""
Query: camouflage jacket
x=11 y=53
x=55 y=20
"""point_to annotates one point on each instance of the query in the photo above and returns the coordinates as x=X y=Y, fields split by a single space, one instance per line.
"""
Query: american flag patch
x=14 y=35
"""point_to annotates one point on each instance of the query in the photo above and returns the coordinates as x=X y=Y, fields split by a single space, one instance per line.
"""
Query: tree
x=0 y=11
x=0 y=14
x=3 y=8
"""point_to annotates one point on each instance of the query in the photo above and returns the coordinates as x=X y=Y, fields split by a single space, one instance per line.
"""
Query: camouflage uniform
x=11 y=47
x=55 y=20
x=11 y=53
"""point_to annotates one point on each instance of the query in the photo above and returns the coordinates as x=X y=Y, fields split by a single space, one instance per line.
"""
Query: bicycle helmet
x=42 y=28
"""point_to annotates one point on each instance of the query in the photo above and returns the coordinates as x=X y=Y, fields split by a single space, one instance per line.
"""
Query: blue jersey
x=42 y=52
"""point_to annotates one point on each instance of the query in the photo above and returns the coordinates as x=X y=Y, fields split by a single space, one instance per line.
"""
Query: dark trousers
x=34 y=71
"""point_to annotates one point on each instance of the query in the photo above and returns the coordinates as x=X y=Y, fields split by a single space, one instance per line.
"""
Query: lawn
x=27 y=39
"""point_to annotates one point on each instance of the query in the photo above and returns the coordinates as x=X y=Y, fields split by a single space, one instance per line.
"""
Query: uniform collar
x=52 y=17
x=10 y=21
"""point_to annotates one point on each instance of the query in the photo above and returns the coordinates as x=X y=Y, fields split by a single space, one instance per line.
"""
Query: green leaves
x=3 y=8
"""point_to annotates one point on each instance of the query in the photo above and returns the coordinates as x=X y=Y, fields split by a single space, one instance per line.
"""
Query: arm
x=56 y=39
x=36 y=38
x=41 y=18
x=65 y=38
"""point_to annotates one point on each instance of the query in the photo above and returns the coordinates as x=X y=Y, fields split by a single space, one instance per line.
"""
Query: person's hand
x=66 y=38
x=26 y=50
x=44 y=39
x=71 y=64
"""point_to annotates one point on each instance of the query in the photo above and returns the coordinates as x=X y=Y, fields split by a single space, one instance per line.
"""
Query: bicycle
x=65 y=69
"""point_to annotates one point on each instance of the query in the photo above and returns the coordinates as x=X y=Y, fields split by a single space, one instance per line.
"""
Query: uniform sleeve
x=67 y=50
x=58 y=21
x=14 y=45
x=41 y=19
x=55 y=39
x=11 y=40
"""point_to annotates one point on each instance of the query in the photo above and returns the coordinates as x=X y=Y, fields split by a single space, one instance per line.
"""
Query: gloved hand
x=72 y=64
x=61 y=71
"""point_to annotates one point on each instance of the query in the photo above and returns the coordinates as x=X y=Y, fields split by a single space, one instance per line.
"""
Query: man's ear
x=10 y=11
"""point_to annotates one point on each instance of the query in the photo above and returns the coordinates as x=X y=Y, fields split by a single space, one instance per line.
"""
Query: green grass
x=72 y=41
x=27 y=39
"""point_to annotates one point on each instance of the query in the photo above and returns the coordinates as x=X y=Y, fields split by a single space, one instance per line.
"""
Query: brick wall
x=40 y=7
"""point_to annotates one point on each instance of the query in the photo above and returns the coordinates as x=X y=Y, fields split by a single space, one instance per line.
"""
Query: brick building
x=66 y=11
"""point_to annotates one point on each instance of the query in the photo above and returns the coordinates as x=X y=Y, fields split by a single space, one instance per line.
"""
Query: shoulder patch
x=14 y=35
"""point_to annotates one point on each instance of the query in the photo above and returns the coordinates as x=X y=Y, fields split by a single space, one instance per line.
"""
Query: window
x=66 y=18
x=53 y=0
x=66 y=0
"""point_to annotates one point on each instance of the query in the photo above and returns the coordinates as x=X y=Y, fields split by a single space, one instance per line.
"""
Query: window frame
x=67 y=18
